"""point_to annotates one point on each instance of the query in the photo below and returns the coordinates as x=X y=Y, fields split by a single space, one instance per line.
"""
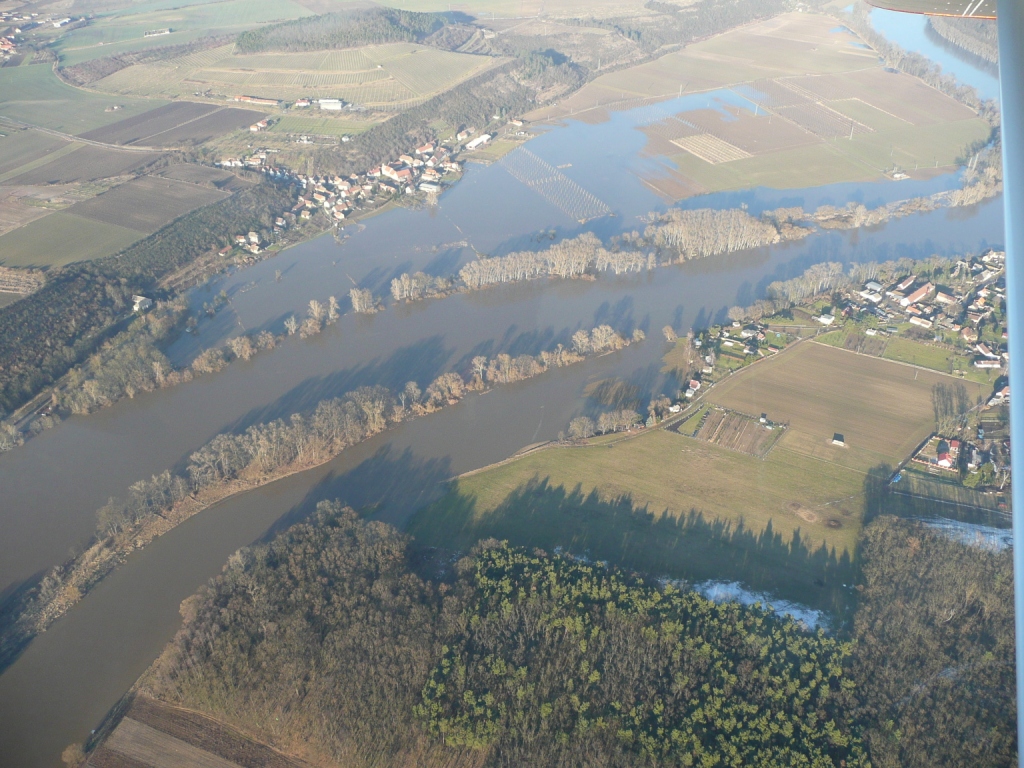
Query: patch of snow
x=973 y=534
x=733 y=591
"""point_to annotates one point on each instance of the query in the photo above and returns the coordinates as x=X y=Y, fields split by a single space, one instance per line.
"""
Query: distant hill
x=345 y=29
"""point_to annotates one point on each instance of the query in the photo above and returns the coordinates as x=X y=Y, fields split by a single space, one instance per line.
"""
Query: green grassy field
x=62 y=238
x=319 y=126
x=945 y=489
x=124 y=30
x=34 y=95
x=668 y=505
x=382 y=76
x=883 y=410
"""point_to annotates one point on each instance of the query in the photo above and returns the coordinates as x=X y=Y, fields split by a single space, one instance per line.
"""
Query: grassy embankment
x=667 y=503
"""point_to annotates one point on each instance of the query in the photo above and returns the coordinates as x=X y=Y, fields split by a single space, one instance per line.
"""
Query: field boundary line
x=948 y=501
x=895 y=362
x=69 y=137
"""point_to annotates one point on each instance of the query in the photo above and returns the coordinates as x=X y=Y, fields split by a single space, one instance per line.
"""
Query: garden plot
x=738 y=432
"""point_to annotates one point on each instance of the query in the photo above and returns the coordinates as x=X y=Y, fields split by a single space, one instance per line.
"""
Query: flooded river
x=69 y=677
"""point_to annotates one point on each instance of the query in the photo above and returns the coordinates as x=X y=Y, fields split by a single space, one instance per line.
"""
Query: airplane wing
x=975 y=9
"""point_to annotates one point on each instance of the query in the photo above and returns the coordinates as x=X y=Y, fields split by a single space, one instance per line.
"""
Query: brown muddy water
x=69 y=677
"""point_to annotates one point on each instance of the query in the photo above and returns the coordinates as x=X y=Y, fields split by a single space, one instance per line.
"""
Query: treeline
x=43 y=335
x=681 y=25
x=328 y=641
x=96 y=69
x=977 y=36
x=915 y=64
x=308 y=439
x=934 y=656
x=343 y=29
x=261 y=454
x=697 y=234
x=569 y=258
x=672 y=237
x=472 y=103
x=130 y=363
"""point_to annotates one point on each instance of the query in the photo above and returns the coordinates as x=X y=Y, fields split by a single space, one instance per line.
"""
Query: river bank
x=278 y=450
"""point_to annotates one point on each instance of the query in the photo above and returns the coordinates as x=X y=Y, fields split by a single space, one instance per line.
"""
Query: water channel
x=69 y=677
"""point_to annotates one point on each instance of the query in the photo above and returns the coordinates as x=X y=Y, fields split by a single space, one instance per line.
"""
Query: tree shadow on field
x=388 y=485
x=690 y=547
x=881 y=497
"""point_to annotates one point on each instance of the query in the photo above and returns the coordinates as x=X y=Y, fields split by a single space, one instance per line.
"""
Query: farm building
x=479 y=141
x=906 y=283
x=838 y=439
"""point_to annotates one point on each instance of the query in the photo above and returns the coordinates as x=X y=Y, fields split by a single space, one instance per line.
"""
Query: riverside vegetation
x=132 y=361
x=43 y=335
x=263 y=453
x=342 y=643
x=677 y=236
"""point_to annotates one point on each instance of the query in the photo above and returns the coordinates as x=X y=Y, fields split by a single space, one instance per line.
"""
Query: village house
x=917 y=295
x=141 y=303
x=968 y=334
x=904 y=284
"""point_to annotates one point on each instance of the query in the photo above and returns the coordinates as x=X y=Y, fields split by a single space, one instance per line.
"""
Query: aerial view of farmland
x=507 y=383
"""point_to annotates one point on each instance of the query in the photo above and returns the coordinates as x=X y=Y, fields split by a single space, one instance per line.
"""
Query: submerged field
x=793 y=102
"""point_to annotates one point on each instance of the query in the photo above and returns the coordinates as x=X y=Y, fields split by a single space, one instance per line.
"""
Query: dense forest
x=343 y=29
x=934 y=654
x=342 y=642
x=43 y=335
x=329 y=642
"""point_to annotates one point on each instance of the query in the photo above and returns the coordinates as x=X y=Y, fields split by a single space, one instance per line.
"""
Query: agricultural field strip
x=69 y=137
x=888 y=359
x=179 y=125
x=157 y=749
x=41 y=161
x=871 y=422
